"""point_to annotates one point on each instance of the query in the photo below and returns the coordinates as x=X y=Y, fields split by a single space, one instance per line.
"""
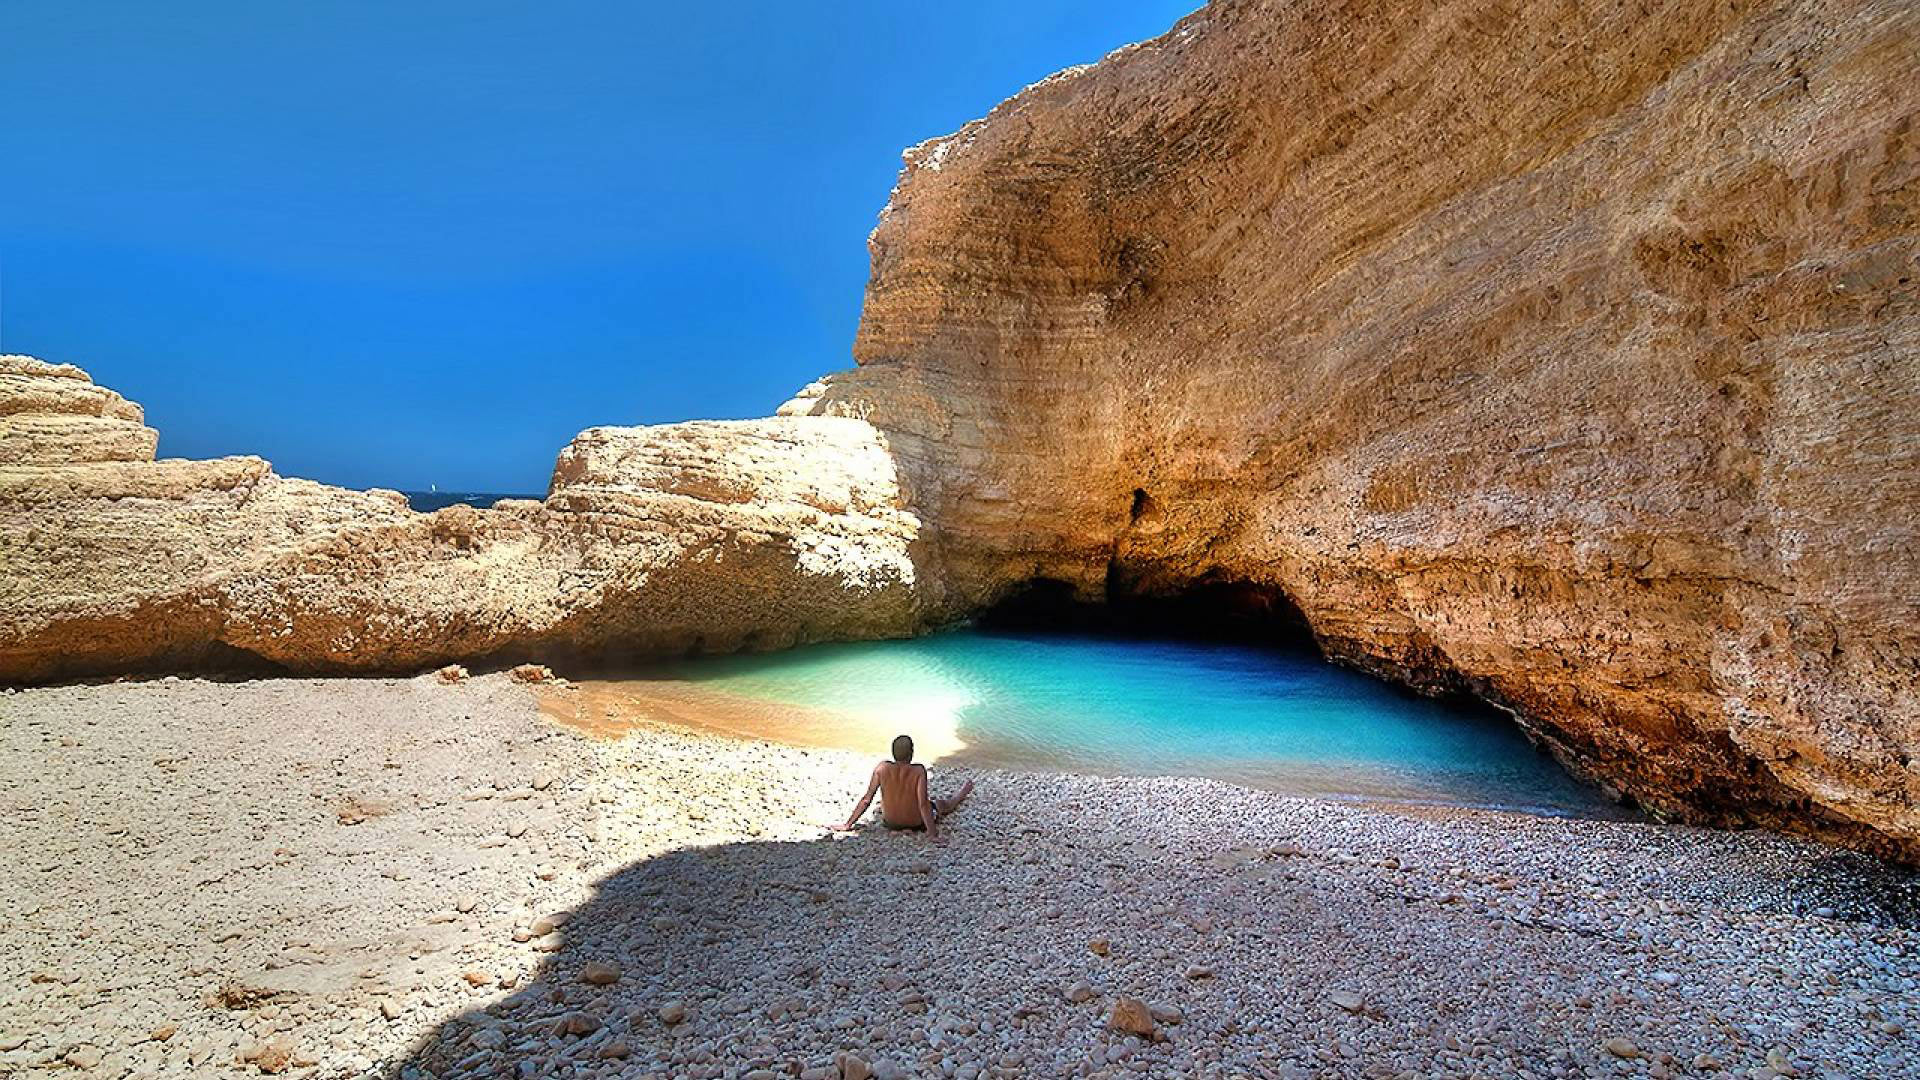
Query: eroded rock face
x=720 y=535
x=1567 y=355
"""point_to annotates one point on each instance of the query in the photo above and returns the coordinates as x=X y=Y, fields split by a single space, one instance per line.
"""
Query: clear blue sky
x=393 y=244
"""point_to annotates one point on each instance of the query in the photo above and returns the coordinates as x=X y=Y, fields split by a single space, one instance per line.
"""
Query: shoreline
x=375 y=874
x=615 y=707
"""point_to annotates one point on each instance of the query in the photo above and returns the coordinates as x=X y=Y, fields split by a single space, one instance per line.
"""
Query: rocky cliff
x=720 y=535
x=1568 y=356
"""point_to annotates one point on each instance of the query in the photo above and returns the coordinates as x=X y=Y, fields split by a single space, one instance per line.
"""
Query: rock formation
x=1568 y=355
x=1564 y=356
x=718 y=535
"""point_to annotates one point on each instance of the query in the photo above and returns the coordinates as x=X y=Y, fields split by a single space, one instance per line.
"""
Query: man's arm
x=927 y=817
x=873 y=785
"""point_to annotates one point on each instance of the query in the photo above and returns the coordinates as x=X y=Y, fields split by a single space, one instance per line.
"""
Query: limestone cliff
x=1569 y=354
x=715 y=535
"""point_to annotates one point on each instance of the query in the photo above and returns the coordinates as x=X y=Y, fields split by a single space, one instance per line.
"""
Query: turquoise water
x=1264 y=717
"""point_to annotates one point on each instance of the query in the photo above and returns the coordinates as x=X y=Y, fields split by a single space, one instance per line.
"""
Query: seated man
x=904 y=801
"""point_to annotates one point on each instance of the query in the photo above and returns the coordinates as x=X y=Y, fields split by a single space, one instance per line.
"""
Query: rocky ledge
x=1569 y=358
x=715 y=535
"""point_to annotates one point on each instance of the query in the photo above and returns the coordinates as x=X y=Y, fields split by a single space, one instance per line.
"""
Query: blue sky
x=399 y=244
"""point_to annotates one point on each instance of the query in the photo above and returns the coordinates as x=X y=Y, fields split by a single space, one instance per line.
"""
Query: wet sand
x=612 y=708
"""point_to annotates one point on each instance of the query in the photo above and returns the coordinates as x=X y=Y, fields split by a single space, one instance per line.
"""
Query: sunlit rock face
x=655 y=540
x=1568 y=355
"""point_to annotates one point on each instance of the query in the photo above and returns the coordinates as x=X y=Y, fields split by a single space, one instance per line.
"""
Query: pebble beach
x=418 y=878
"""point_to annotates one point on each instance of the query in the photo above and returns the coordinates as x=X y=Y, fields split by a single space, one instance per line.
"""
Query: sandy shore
x=352 y=877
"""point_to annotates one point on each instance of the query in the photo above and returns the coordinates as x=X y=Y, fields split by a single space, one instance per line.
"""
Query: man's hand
x=847 y=826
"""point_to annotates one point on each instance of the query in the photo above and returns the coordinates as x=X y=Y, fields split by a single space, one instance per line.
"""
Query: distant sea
x=428 y=501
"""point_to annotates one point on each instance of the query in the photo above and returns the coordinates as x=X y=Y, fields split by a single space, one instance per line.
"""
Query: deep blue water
x=1272 y=718
x=429 y=501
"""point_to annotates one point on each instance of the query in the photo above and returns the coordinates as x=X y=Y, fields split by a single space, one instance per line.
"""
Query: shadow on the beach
x=784 y=953
x=748 y=936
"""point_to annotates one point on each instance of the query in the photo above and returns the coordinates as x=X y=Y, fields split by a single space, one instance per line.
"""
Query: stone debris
x=1348 y=1001
x=599 y=974
x=530 y=673
x=1130 y=1014
x=1622 y=1047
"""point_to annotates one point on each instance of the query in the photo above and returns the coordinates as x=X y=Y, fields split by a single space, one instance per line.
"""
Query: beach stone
x=853 y=1066
x=1080 y=992
x=1130 y=1014
x=577 y=1023
x=1621 y=1047
x=599 y=974
x=1348 y=1000
x=452 y=673
x=276 y=1055
x=1098 y=947
x=673 y=1012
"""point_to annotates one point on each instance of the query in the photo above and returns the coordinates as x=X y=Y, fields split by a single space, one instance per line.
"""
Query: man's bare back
x=905 y=802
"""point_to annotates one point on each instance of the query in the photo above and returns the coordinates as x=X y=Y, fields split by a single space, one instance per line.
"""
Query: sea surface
x=429 y=501
x=1275 y=718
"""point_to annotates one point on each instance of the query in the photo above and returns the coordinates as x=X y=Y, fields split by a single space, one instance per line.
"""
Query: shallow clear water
x=1280 y=719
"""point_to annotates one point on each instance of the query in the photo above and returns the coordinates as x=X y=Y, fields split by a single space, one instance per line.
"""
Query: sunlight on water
x=1284 y=720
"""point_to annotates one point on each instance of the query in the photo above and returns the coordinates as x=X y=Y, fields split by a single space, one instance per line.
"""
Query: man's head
x=902 y=749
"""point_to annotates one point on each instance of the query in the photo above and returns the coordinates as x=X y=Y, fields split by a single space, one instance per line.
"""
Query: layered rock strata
x=1565 y=356
x=719 y=535
x=1570 y=356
